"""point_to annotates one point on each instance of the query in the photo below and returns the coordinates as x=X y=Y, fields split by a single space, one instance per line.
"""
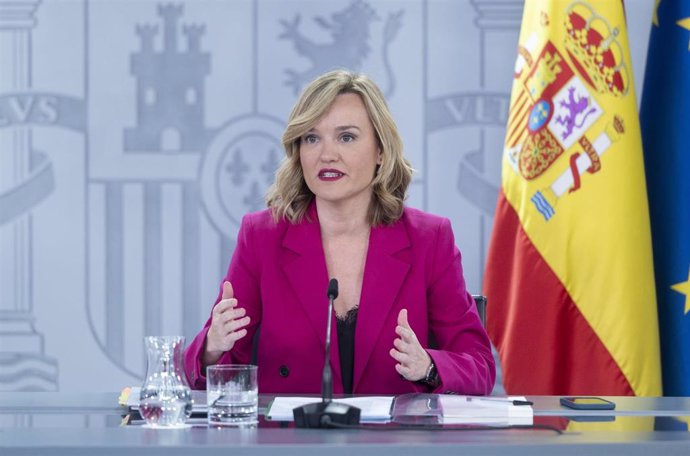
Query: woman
x=336 y=211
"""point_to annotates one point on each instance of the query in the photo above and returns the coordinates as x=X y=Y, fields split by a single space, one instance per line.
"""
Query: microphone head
x=333 y=289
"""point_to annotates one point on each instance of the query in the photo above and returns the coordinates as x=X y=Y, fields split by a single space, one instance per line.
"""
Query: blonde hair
x=289 y=197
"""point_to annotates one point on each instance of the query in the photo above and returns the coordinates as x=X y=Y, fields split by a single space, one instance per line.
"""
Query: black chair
x=480 y=301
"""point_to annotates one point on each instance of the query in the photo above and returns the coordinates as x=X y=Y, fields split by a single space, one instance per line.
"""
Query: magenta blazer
x=278 y=272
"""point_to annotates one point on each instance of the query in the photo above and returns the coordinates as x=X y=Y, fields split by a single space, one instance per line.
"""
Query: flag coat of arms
x=569 y=274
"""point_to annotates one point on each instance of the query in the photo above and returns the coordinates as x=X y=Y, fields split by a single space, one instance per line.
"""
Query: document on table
x=374 y=409
x=489 y=410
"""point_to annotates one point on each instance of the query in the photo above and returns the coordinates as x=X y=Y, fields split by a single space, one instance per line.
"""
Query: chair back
x=480 y=301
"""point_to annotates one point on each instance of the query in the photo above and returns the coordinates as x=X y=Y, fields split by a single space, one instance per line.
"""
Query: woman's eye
x=310 y=139
x=348 y=137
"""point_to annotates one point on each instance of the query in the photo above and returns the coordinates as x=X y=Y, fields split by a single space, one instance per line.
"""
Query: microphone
x=327 y=376
x=322 y=414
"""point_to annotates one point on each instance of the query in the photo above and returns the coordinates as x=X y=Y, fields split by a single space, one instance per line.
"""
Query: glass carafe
x=166 y=399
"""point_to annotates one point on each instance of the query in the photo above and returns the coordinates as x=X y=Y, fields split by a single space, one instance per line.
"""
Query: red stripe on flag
x=522 y=124
x=522 y=137
x=545 y=344
x=517 y=107
x=516 y=122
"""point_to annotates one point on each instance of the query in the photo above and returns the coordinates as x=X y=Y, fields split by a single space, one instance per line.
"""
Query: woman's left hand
x=413 y=360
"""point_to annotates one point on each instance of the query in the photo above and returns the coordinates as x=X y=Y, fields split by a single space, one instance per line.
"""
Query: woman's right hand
x=227 y=326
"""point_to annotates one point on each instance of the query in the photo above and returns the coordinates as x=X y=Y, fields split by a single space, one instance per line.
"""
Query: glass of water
x=232 y=395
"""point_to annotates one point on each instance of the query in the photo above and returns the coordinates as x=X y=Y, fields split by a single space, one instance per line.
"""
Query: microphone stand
x=322 y=414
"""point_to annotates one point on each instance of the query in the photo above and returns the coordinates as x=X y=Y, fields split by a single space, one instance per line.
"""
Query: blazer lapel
x=384 y=274
x=305 y=268
x=304 y=264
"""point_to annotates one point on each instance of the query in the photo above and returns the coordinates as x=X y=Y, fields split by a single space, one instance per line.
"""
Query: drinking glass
x=232 y=395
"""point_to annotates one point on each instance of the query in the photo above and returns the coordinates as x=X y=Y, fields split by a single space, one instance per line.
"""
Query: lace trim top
x=346 y=347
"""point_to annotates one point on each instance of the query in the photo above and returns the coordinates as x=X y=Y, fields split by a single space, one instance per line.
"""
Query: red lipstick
x=328 y=174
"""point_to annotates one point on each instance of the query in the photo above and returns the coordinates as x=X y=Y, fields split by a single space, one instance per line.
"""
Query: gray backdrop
x=134 y=134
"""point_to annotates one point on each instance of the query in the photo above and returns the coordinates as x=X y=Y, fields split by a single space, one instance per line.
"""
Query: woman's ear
x=379 y=156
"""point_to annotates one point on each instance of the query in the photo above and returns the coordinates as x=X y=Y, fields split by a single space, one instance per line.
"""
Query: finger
x=402 y=319
x=228 y=292
x=223 y=306
x=228 y=341
x=401 y=346
x=400 y=357
x=237 y=335
x=406 y=334
x=234 y=325
x=402 y=370
x=232 y=314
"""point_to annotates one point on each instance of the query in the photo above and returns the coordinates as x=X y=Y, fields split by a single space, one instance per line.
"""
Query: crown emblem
x=595 y=50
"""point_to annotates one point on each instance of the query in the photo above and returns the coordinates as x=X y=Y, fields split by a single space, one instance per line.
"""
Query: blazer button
x=284 y=371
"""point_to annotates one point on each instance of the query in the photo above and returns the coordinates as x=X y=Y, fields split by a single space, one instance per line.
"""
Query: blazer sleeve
x=463 y=359
x=243 y=274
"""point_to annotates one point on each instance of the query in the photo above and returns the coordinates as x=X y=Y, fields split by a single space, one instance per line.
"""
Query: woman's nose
x=328 y=152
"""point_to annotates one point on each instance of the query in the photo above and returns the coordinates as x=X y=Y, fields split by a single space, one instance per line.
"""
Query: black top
x=346 y=347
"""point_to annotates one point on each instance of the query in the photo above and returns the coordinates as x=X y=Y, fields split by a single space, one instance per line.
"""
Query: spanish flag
x=569 y=275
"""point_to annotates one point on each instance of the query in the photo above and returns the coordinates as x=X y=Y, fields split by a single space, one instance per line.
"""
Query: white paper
x=497 y=411
x=374 y=409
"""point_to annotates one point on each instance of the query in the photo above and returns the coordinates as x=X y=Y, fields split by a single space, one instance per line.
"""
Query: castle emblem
x=185 y=184
x=170 y=88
